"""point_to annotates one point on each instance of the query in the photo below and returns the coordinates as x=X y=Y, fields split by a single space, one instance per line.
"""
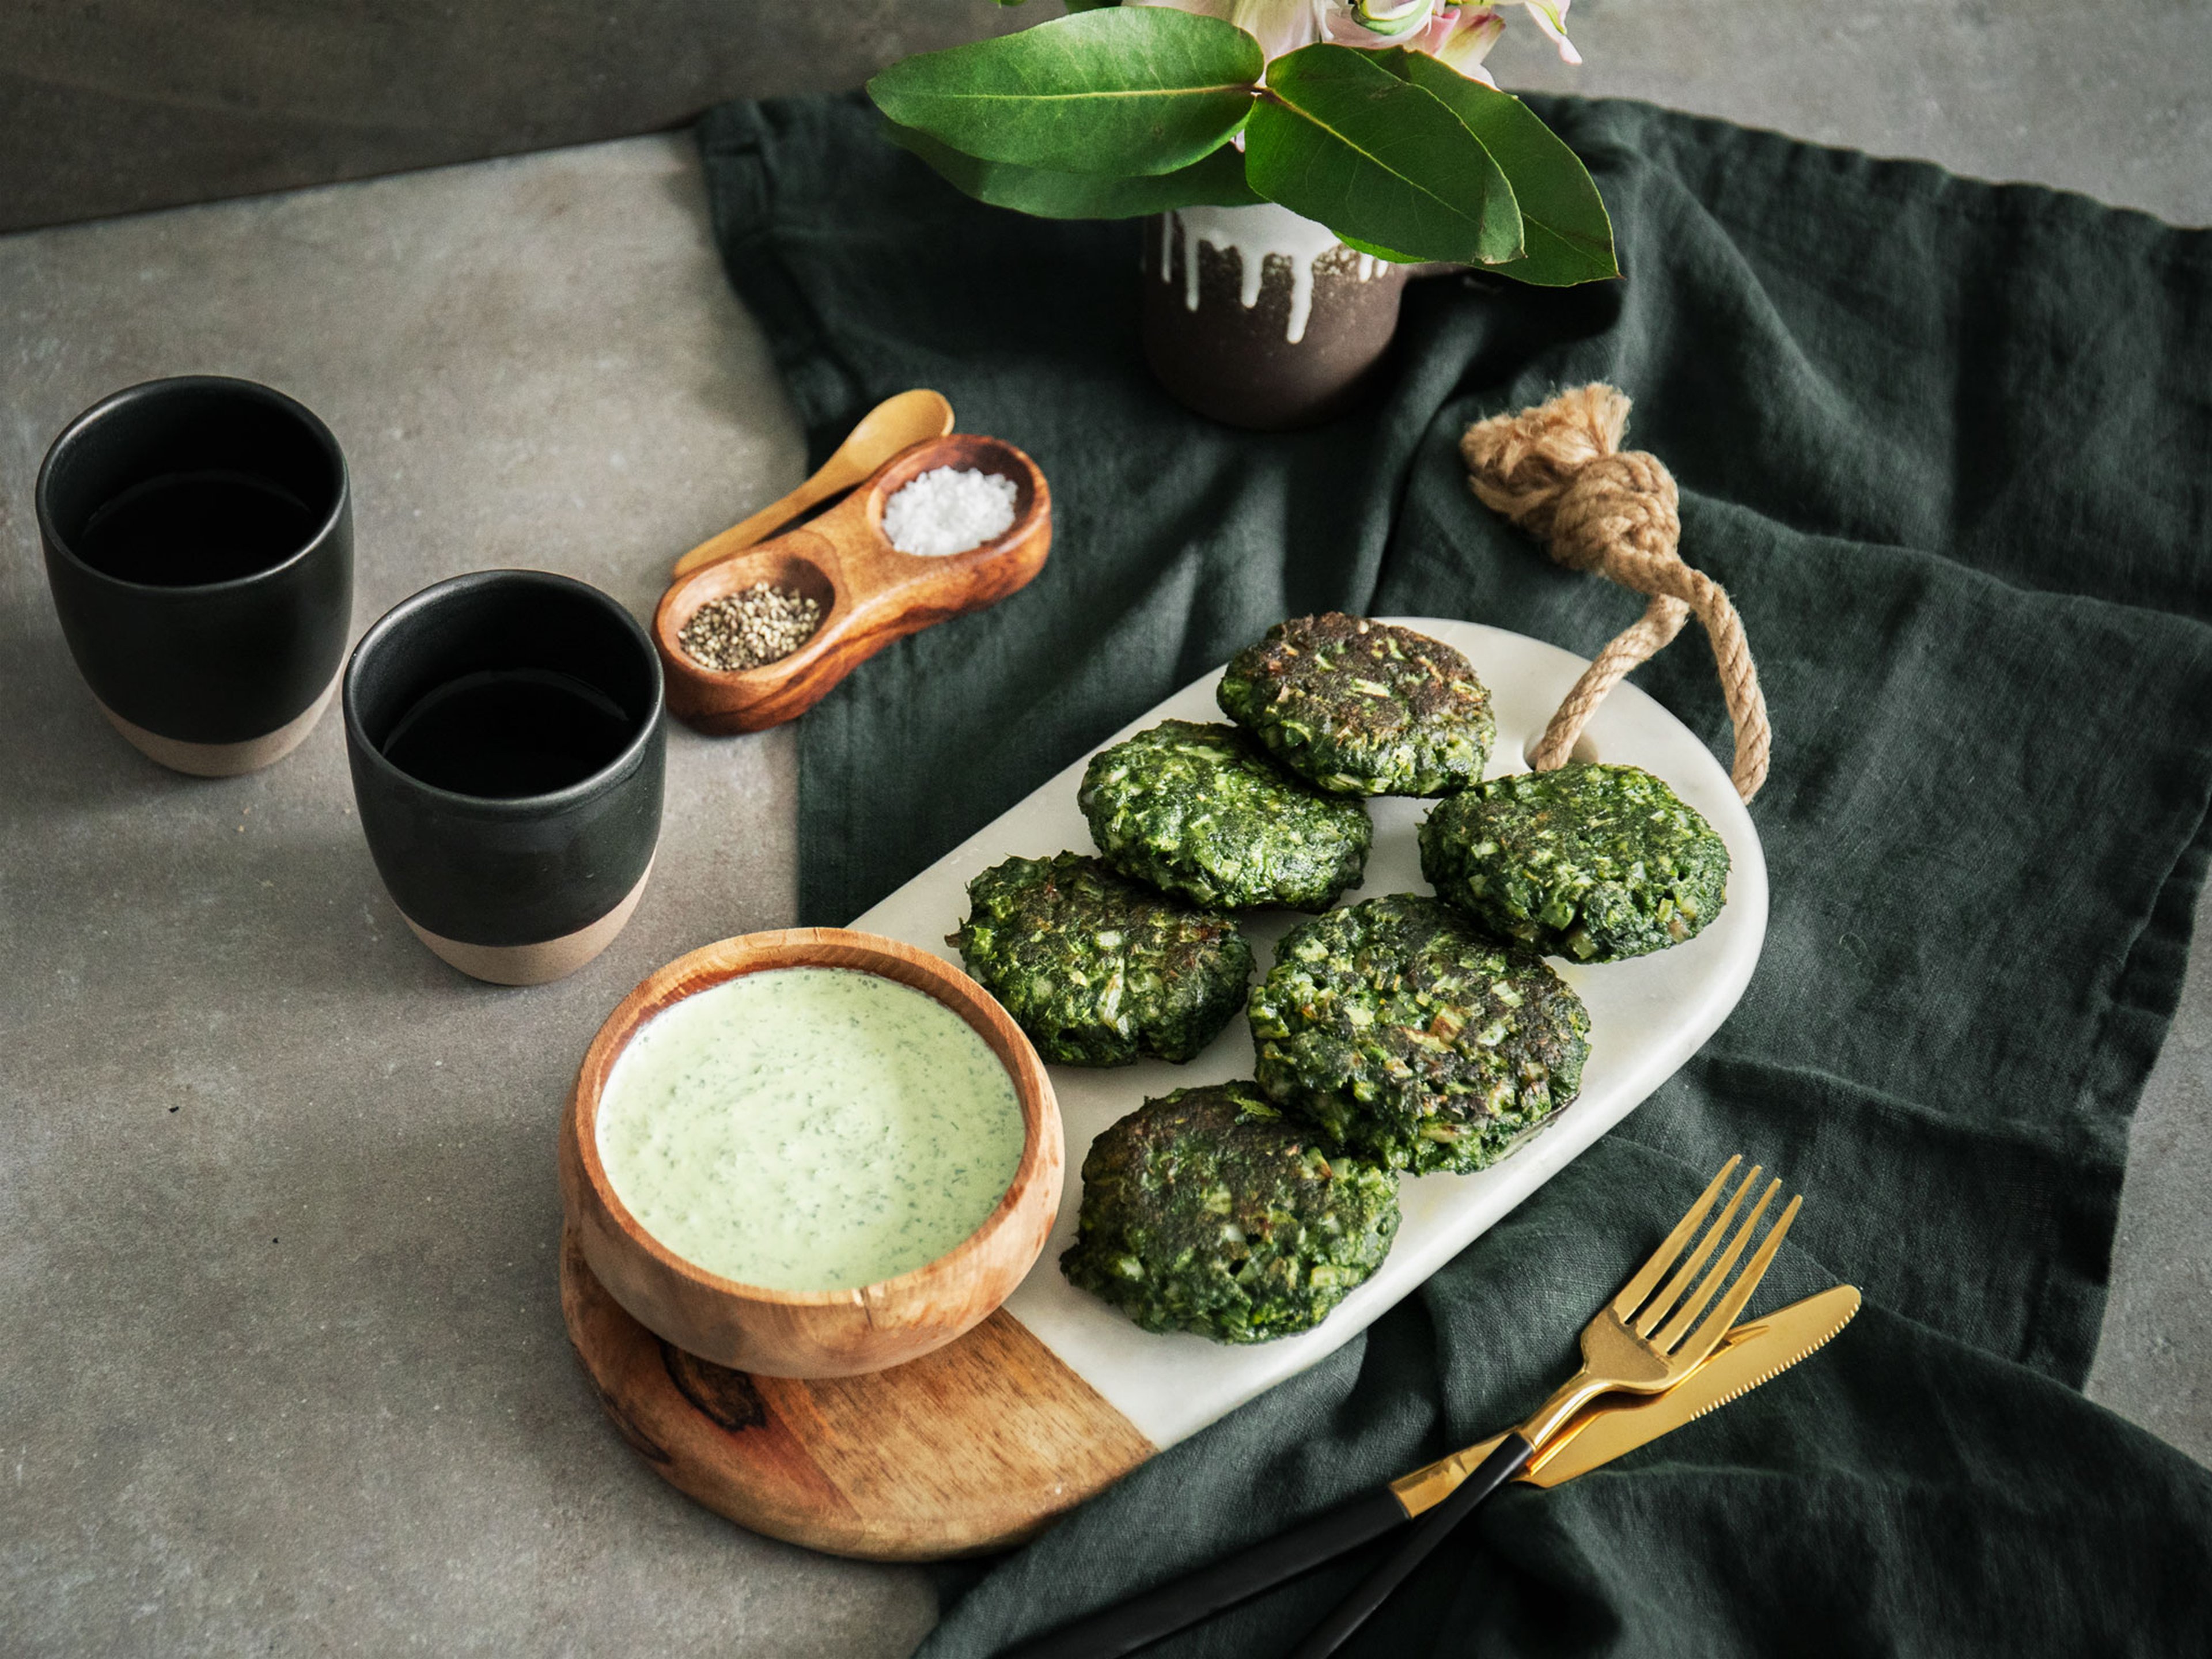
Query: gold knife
x=1752 y=1352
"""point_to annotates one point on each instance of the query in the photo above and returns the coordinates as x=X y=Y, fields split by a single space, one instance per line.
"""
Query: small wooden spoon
x=870 y=593
x=894 y=424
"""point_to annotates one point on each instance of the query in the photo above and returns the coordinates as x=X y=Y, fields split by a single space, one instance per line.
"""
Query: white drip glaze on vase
x=1253 y=234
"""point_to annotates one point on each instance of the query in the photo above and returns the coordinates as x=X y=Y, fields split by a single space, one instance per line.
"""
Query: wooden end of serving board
x=969 y=1449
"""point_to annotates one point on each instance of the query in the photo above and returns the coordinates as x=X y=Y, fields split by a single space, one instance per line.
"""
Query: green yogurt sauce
x=810 y=1128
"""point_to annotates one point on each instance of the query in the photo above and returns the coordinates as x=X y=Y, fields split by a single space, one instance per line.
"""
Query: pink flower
x=1280 y=26
x=1376 y=23
x=1459 y=35
x=1384 y=21
x=1462 y=37
x=1552 y=19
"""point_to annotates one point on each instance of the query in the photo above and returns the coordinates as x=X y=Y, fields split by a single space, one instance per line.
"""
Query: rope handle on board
x=1558 y=470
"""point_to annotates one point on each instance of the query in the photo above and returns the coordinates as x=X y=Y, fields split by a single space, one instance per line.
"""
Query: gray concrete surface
x=114 y=105
x=2112 y=101
x=2154 y=1356
x=109 y=106
x=284 y=1368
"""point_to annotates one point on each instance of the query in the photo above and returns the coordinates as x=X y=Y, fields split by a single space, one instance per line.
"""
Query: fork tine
x=1632 y=1293
x=1662 y=1303
x=1707 y=1336
x=1709 y=1286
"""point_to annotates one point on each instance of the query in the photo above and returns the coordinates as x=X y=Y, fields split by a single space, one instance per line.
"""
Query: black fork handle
x=1510 y=1457
x=1180 y=1603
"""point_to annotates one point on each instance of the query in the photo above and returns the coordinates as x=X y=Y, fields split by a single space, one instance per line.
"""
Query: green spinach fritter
x=1098 y=968
x=1362 y=707
x=1201 y=810
x=1209 y=1212
x=1592 y=862
x=1411 y=1037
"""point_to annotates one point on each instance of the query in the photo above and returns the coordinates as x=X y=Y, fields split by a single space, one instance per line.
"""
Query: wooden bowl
x=870 y=592
x=812 y=1332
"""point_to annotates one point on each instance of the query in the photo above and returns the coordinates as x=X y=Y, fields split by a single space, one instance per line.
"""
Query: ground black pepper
x=759 y=625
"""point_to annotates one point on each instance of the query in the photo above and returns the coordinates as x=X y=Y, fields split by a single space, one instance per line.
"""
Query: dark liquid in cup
x=184 y=529
x=511 y=731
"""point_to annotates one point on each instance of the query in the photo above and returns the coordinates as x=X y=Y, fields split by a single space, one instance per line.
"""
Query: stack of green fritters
x=1208 y=1211
x=1202 y=812
x=1404 y=1033
x=1362 y=707
x=1407 y=1035
x=1595 y=863
x=1098 y=968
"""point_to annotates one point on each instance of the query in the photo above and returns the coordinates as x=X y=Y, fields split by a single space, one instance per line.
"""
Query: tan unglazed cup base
x=223 y=760
x=534 y=964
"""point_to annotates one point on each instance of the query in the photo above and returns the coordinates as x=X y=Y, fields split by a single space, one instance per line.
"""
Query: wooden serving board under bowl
x=1056 y=1394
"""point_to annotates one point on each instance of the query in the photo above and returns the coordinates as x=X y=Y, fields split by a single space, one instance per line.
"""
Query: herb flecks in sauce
x=810 y=1129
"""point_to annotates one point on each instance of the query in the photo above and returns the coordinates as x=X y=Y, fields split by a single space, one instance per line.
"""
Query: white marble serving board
x=1647 y=1017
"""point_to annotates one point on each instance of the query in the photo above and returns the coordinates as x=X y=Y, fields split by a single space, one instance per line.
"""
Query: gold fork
x=1640 y=1343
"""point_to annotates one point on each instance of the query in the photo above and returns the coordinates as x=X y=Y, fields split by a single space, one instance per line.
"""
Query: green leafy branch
x=1120 y=111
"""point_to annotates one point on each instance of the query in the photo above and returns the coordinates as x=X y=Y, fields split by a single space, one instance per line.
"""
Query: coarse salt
x=950 y=510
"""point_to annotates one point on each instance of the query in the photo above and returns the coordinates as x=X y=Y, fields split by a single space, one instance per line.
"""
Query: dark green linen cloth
x=1950 y=448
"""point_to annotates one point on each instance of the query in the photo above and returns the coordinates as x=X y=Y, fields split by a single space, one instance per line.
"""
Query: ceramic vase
x=1260 y=318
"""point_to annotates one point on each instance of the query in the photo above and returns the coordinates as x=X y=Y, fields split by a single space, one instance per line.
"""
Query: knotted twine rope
x=1559 y=471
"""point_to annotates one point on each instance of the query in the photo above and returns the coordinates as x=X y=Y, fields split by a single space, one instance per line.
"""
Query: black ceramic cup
x=505 y=732
x=198 y=536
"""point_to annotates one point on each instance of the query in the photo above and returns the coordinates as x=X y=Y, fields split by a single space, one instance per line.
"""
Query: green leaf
x=1129 y=90
x=1216 y=179
x=1564 y=222
x=1341 y=139
x=1378 y=251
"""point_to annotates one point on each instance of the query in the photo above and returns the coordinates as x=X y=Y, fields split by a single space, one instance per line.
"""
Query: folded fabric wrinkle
x=1866 y=381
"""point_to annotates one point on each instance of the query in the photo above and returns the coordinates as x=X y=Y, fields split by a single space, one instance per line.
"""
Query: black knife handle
x=1510 y=1457
x=1180 y=1603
